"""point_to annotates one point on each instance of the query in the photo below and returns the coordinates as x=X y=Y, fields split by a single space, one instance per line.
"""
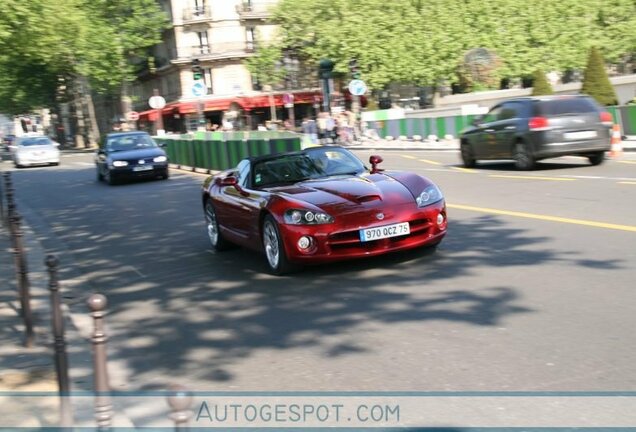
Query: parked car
x=130 y=155
x=529 y=129
x=34 y=149
x=319 y=205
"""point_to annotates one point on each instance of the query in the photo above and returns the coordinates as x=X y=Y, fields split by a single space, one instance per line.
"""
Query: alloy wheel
x=271 y=243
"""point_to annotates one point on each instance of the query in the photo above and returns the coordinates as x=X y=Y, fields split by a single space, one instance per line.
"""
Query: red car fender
x=413 y=182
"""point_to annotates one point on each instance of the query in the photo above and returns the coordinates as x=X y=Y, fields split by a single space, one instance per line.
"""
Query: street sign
x=357 y=87
x=199 y=89
x=132 y=116
x=157 y=102
x=288 y=100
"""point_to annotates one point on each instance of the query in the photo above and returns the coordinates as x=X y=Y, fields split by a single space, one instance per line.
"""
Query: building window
x=199 y=8
x=204 y=47
x=250 y=37
x=207 y=77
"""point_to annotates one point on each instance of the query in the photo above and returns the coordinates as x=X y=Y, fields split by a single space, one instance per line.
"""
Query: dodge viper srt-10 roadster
x=319 y=205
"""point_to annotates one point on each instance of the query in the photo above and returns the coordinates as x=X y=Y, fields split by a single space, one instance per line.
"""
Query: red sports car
x=318 y=205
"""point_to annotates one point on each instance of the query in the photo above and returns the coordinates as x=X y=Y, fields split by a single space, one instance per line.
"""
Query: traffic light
x=325 y=67
x=197 y=71
x=354 y=69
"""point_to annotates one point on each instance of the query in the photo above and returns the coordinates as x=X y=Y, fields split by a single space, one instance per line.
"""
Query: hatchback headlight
x=160 y=159
x=120 y=163
x=429 y=196
x=306 y=217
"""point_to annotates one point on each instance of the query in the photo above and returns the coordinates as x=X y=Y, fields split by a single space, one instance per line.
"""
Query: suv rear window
x=556 y=107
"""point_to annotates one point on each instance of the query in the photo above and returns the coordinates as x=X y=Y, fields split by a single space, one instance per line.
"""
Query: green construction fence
x=217 y=151
x=444 y=126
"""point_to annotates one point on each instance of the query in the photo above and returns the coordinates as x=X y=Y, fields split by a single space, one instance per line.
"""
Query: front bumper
x=127 y=172
x=337 y=242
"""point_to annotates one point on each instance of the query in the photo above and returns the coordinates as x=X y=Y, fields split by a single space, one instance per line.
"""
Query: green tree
x=265 y=65
x=596 y=82
x=540 y=85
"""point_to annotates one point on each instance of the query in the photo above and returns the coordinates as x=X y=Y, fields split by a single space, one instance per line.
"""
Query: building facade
x=218 y=35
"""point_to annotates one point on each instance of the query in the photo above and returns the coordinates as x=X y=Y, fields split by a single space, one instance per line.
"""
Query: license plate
x=386 y=231
x=142 y=168
x=580 y=135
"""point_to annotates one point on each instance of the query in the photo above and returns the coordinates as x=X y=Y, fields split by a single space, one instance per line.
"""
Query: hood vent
x=367 y=198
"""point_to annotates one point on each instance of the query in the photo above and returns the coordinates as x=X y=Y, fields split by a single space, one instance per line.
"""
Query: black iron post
x=10 y=202
x=59 y=343
x=180 y=400
x=23 y=281
x=2 y=215
x=103 y=408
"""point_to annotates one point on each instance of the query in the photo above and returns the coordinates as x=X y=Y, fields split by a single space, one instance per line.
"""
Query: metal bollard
x=2 y=215
x=180 y=400
x=10 y=202
x=23 y=280
x=103 y=408
x=59 y=344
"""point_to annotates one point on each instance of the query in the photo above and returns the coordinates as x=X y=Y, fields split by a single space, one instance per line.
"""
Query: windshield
x=310 y=165
x=34 y=141
x=129 y=142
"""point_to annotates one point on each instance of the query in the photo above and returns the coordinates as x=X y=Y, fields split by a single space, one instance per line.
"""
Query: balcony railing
x=197 y=14
x=255 y=10
x=221 y=49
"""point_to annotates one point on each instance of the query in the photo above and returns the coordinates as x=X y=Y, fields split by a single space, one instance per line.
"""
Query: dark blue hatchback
x=130 y=155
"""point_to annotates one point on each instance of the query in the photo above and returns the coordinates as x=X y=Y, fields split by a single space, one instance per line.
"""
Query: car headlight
x=160 y=159
x=120 y=163
x=429 y=196
x=306 y=217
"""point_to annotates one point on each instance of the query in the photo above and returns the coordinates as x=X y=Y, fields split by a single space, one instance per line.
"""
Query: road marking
x=627 y=162
x=408 y=156
x=429 y=162
x=627 y=182
x=595 y=224
x=531 y=177
x=465 y=170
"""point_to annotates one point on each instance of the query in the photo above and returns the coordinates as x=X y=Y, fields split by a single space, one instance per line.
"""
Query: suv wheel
x=596 y=158
x=523 y=159
x=468 y=157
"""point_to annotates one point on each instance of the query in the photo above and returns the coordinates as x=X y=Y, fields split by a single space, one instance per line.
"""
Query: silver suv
x=529 y=129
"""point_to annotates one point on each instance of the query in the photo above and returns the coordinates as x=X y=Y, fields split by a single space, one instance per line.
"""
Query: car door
x=485 y=141
x=505 y=128
x=241 y=207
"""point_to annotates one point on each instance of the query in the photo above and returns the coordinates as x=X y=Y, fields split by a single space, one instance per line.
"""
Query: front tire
x=468 y=156
x=217 y=240
x=274 y=248
x=100 y=177
x=596 y=158
x=523 y=158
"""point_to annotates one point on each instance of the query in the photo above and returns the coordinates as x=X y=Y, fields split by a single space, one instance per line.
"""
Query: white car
x=35 y=150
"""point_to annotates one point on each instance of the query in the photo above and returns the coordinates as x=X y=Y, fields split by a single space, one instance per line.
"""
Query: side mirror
x=477 y=120
x=374 y=161
x=233 y=181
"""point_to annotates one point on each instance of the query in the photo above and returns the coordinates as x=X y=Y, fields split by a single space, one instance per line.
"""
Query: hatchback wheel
x=108 y=177
x=217 y=240
x=468 y=156
x=100 y=177
x=274 y=248
x=596 y=158
x=523 y=159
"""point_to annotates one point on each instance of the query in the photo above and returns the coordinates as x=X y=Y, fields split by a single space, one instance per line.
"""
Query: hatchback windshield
x=129 y=142
x=35 y=141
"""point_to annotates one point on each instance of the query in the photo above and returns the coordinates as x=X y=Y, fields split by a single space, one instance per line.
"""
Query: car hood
x=137 y=154
x=348 y=192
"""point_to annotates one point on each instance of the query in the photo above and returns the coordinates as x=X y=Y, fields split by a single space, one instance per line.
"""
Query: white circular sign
x=357 y=87
x=157 y=102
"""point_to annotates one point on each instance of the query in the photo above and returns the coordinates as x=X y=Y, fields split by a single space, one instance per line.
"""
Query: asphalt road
x=532 y=289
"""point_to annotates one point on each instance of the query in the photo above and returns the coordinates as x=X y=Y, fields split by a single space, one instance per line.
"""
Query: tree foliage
x=424 y=42
x=596 y=82
x=44 y=43
x=540 y=84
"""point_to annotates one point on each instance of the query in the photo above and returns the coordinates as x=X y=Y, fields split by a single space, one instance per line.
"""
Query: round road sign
x=157 y=102
x=357 y=87
x=132 y=116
